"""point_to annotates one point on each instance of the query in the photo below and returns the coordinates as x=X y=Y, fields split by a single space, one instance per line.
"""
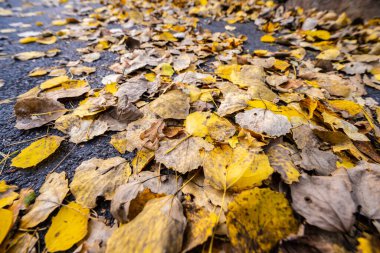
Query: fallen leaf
x=257 y=219
x=98 y=177
x=35 y=112
x=280 y=158
x=171 y=105
x=182 y=155
x=6 y=222
x=53 y=82
x=329 y=54
x=325 y=201
x=365 y=179
x=159 y=227
x=68 y=227
x=37 y=152
x=264 y=122
x=26 y=56
x=21 y=243
x=200 y=226
x=52 y=193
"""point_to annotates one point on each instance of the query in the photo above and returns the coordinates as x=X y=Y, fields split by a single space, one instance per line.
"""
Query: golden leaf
x=68 y=227
x=257 y=219
x=37 y=152
x=52 y=193
x=53 y=82
x=98 y=177
x=200 y=225
x=267 y=38
x=171 y=105
x=6 y=222
x=158 y=228
x=280 y=159
x=329 y=54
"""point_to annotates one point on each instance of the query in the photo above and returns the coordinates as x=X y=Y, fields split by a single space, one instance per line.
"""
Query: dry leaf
x=264 y=121
x=159 y=228
x=35 y=112
x=97 y=177
x=68 y=227
x=257 y=219
x=52 y=193
x=325 y=201
x=182 y=155
x=37 y=152
x=171 y=105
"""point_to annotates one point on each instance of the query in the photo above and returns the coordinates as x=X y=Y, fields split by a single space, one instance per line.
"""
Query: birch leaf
x=68 y=227
x=98 y=177
x=182 y=155
x=257 y=219
x=325 y=201
x=159 y=228
x=171 y=105
x=37 y=152
x=35 y=112
x=52 y=193
x=6 y=222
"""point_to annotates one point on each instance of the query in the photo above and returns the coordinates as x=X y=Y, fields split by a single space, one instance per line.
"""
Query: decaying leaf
x=21 y=243
x=37 y=152
x=97 y=177
x=171 y=105
x=365 y=179
x=80 y=130
x=130 y=198
x=257 y=219
x=200 y=226
x=35 y=112
x=159 y=227
x=264 y=122
x=52 y=193
x=182 y=155
x=325 y=201
x=97 y=237
x=68 y=227
x=280 y=158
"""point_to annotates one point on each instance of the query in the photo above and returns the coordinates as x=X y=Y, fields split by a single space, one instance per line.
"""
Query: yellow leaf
x=259 y=171
x=142 y=158
x=280 y=159
x=28 y=40
x=3 y=186
x=111 y=88
x=368 y=244
x=52 y=193
x=97 y=177
x=26 y=56
x=173 y=104
x=165 y=36
x=195 y=124
x=224 y=166
x=37 y=152
x=166 y=69
x=257 y=219
x=203 y=2
x=48 y=40
x=260 y=52
x=200 y=225
x=267 y=38
x=281 y=65
x=6 y=221
x=53 y=82
x=7 y=194
x=320 y=34
x=151 y=77
x=59 y=22
x=67 y=228
x=37 y=72
x=329 y=54
x=350 y=107
x=158 y=228
x=220 y=128
x=225 y=71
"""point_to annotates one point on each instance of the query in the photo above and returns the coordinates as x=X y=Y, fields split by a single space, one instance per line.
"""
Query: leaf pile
x=234 y=151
